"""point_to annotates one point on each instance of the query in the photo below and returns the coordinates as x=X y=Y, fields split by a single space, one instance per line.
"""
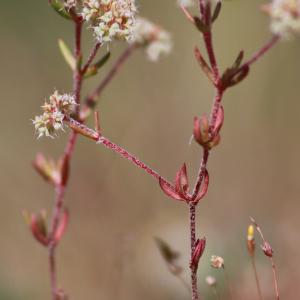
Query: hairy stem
x=60 y=188
x=193 y=242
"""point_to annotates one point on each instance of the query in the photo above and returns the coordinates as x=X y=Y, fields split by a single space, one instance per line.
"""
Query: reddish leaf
x=198 y=252
x=168 y=190
x=181 y=182
x=204 y=65
x=62 y=226
x=219 y=120
x=38 y=231
x=204 y=188
x=197 y=131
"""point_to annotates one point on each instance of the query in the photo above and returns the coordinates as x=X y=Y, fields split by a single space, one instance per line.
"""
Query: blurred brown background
x=116 y=210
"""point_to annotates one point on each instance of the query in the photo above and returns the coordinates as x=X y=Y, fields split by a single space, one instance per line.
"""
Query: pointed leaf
x=200 y=25
x=204 y=188
x=216 y=11
x=37 y=231
x=219 y=120
x=60 y=9
x=67 y=54
x=181 y=183
x=166 y=251
x=62 y=226
x=238 y=60
x=198 y=252
x=204 y=65
x=93 y=70
x=168 y=190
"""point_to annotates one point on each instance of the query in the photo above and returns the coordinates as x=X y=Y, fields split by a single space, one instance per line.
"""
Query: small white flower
x=217 y=262
x=285 y=17
x=153 y=38
x=55 y=110
x=70 y=3
x=110 y=19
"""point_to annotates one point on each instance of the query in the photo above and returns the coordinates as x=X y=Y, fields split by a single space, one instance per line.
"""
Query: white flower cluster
x=110 y=19
x=152 y=37
x=54 y=113
x=70 y=3
x=285 y=17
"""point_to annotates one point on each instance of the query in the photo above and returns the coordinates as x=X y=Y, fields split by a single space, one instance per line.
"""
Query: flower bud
x=267 y=249
x=251 y=240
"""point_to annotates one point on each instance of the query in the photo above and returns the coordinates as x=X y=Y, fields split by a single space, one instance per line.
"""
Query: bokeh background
x=116 y=210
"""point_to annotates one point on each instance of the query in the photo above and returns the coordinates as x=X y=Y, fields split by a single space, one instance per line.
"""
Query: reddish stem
x=193 y=242
x=256 y=56
x=60 y=188
x=91 y=58
x=91 y=99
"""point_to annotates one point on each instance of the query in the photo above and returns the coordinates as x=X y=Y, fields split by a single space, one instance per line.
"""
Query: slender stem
x=211 y=54
x=256 y=56
x=256 y=277
x=275 y=278
x=228 y=283
x=193 y=242
x=216 y=292
x=60 y=188
x=91 y=58
x=100 y=139
x=187 y=14
x=90 y=101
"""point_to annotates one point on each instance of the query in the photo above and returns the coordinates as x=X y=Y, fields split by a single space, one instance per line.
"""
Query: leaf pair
x=181 y=190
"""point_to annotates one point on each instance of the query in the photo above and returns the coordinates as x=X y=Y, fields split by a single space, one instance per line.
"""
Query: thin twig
x=90 y=101
x=256 y=277
x=60 y=188
x=263 y=50
x=91 y=58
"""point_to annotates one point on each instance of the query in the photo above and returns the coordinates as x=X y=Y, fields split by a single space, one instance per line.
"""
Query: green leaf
x=216 y=12
x=93 y=70
x=67 y=54
x=60 y=9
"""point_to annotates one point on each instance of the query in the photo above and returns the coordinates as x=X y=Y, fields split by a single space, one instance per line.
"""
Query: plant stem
x=275 y=278
x=90 y=101
x=216 y=293
x=256 y=277
x=256 y=56
x=91 y=57
x=193 y=242
x=228 y=283
x=60 y=188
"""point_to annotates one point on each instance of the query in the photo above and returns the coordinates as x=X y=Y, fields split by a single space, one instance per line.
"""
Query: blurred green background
x=116 y=210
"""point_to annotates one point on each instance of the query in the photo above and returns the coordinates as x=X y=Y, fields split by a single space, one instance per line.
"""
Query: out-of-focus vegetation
x=109 y=250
